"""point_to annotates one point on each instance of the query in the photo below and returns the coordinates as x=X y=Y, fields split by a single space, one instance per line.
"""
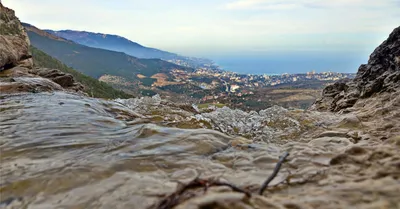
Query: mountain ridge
x=43 y=33
x=112 y=42
x=119 y=43
x=88 y=33
x=86 y=59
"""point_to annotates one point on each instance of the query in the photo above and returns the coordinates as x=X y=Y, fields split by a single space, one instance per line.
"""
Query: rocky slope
x=66 y=150
x=380 y=75
x=20 y=71
x=14 y=42
x=113 y=43
x=92 y=87
x=86 y=59
x=16 y=65
x=121 y=44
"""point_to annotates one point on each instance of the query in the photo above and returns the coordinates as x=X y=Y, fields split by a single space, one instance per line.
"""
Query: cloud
x=261 y=4
x=211 y=26
x=316 y=16
x=244 y=4
x=291 y=4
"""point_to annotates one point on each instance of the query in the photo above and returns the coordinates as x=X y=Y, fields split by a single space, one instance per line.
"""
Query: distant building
x=234 y=87
x=204 y=86
x=214 y=83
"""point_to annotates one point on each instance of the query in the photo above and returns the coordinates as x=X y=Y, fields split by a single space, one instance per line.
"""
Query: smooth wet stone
x=333 y=134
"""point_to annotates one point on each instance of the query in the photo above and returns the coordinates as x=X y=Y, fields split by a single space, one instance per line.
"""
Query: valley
x=176 y=77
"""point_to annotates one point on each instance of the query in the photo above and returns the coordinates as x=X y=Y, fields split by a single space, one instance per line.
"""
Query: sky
x=224 y=27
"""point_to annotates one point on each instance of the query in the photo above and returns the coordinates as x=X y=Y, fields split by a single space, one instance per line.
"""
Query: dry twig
x=273 y=175
x=176 y=197
x=179 y=195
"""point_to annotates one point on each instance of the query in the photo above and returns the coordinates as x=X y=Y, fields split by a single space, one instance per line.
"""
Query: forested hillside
x=93 y=87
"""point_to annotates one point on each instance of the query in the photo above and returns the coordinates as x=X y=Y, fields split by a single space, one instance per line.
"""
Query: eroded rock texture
x=16 y=67
x=381 y=74
x=14 y=42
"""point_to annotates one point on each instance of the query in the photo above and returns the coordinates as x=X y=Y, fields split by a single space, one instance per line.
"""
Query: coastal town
x=212 y=77
x=235 y=81
x=207 y=83
x=211 y=84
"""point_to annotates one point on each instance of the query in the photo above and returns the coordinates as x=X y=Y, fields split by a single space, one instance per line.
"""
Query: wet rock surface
x=90 y=153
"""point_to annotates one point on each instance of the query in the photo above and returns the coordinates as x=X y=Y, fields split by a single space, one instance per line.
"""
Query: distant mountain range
x=113 y=43
x=97 y=62
x=121 y=44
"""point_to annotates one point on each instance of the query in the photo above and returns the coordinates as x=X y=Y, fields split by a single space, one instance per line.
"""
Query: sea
x=292 y=63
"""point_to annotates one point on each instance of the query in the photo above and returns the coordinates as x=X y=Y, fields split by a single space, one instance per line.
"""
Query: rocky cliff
x=16 y=65
x=14 y=42
x=381 y=74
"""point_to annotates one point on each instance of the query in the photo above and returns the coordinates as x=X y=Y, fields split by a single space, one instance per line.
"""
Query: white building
x=234 y=87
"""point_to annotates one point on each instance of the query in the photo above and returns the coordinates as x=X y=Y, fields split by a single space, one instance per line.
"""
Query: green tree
x=93 y=87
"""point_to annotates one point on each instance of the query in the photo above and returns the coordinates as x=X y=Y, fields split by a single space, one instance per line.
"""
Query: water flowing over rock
x=125 y=162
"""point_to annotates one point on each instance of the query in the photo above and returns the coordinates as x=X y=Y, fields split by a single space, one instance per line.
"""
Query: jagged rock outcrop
x=65 y=80
x=380 y=74
x=20 y=79
x=266 y=125
x=14 y=42
x=16 y=66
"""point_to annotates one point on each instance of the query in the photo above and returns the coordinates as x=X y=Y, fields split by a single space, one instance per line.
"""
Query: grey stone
x=380 y=74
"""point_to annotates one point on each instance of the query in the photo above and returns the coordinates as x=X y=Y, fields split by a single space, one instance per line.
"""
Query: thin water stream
x=55 y=144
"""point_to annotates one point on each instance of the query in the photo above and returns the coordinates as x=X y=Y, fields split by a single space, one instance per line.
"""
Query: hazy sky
x=201 y=27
